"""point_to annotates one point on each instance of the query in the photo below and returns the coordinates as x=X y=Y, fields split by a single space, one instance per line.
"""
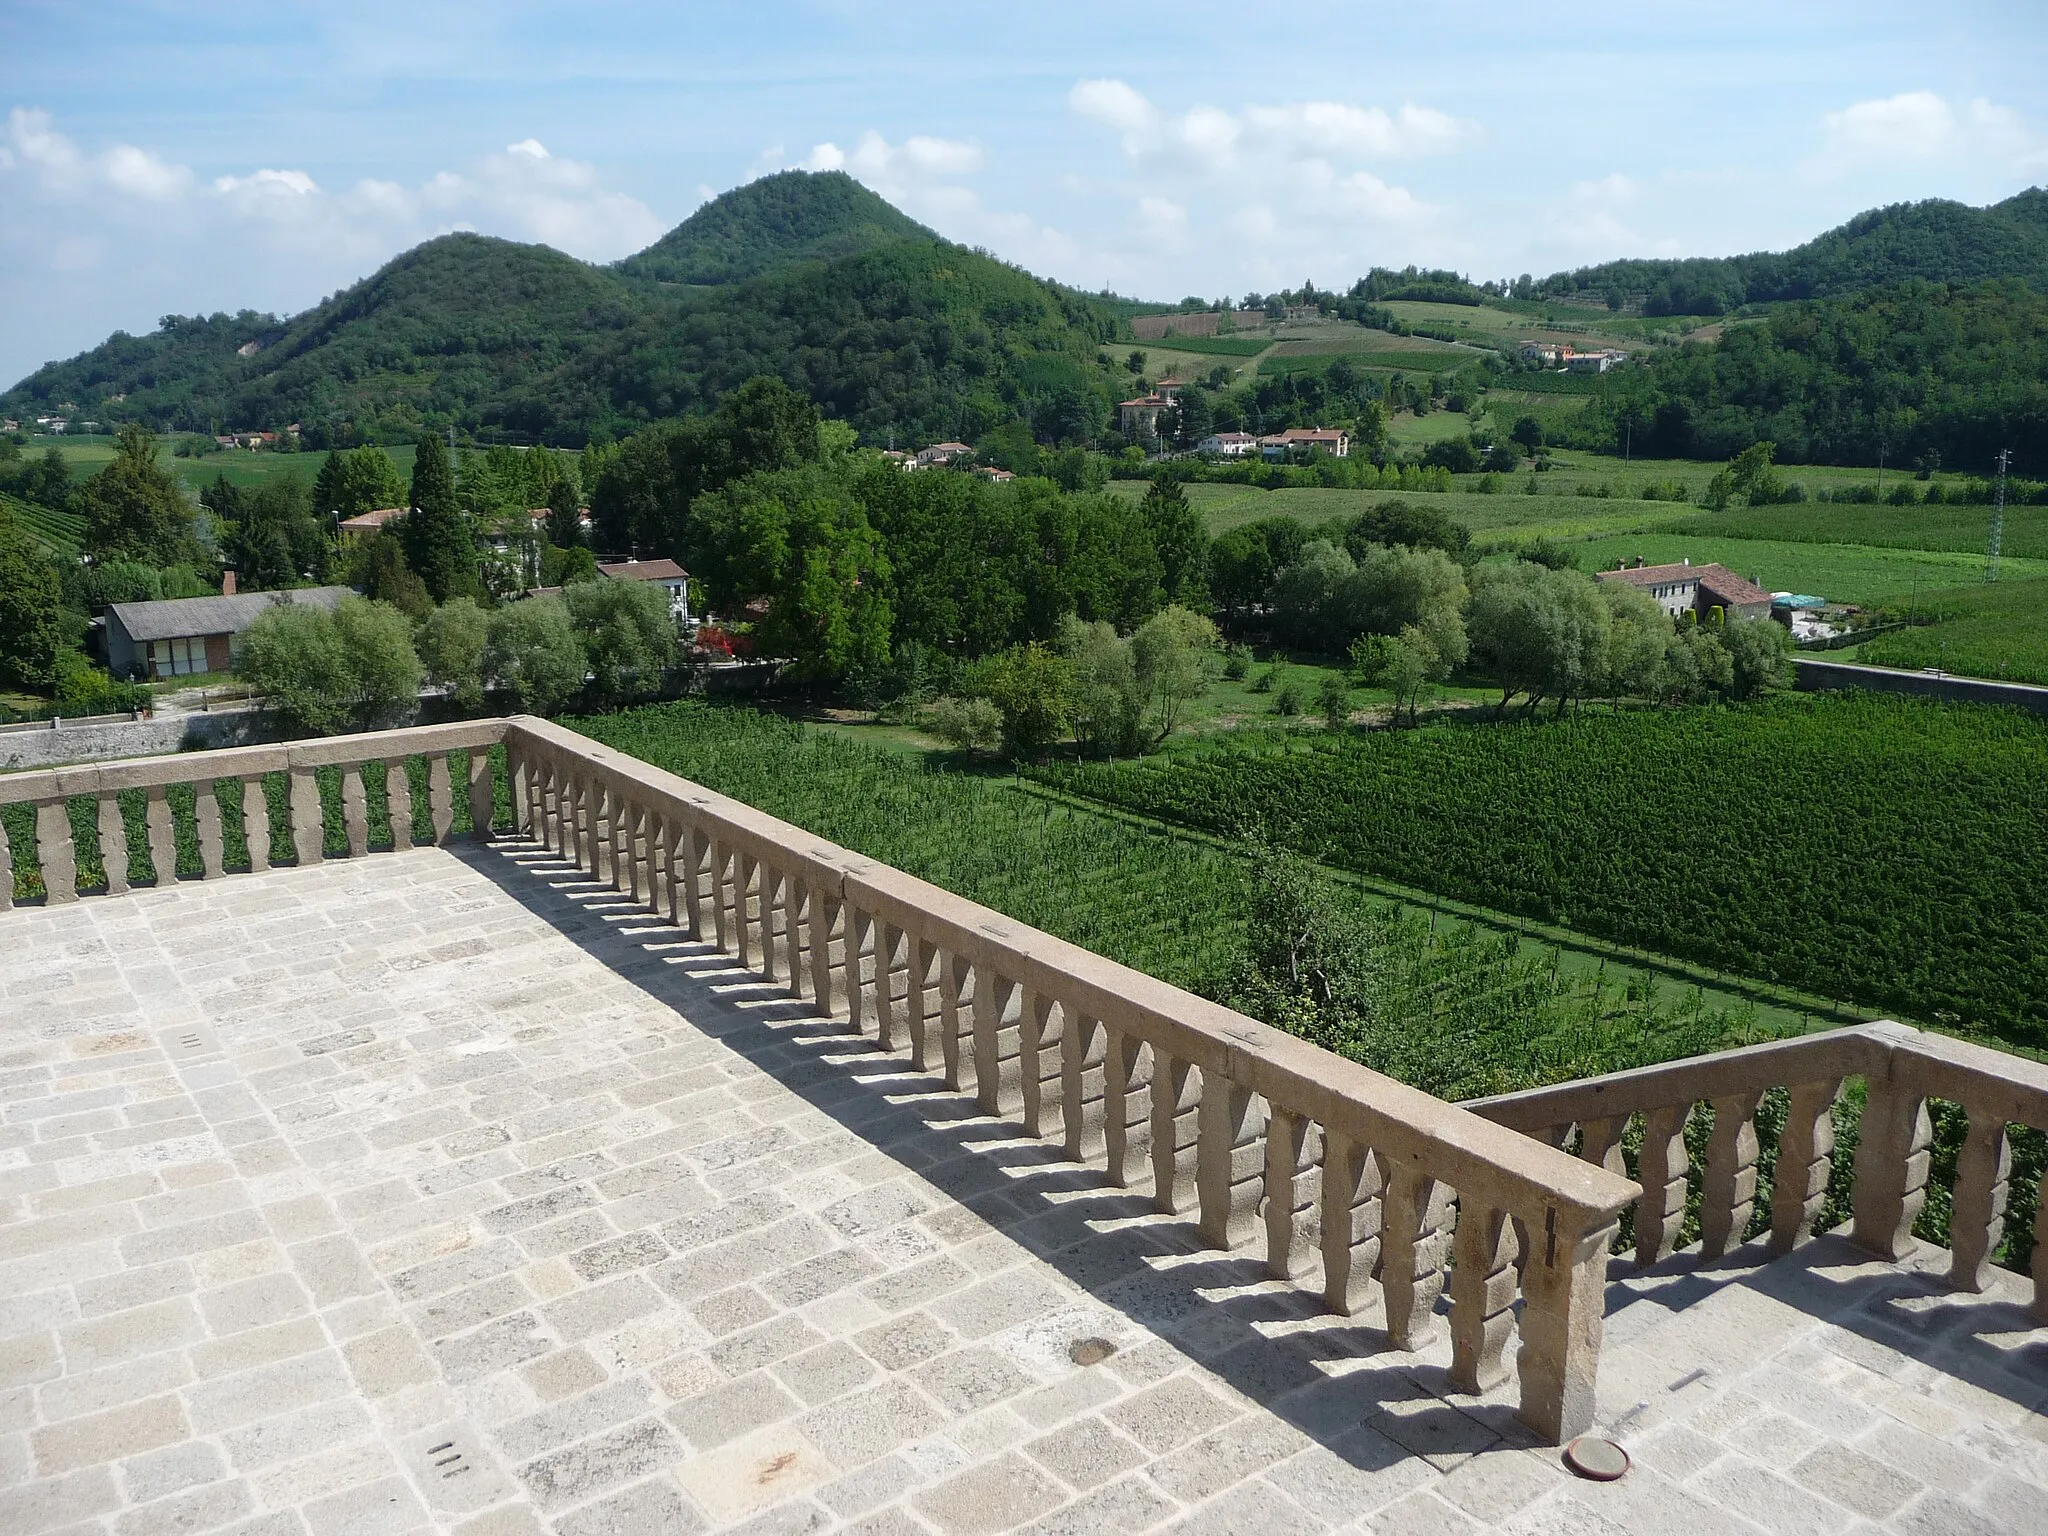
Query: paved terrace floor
x=436 y=1192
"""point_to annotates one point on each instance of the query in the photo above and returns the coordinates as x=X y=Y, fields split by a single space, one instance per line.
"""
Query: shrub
x=1288 y=700
x=533 y=655
x=1237 y=663
x=451 y=647
x=628 y=636
x=970 y=725
x=350 y=669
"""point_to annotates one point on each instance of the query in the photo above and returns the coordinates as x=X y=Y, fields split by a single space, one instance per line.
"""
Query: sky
x=175 y=159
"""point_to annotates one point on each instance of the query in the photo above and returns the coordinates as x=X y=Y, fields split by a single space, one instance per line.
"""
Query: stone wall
x=1820 y=676
x=102 y=741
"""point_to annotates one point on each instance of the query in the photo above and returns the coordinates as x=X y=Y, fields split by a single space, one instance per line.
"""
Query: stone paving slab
x=439 y=1191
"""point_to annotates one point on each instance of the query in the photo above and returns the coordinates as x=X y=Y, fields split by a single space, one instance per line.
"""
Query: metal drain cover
x=454 y=1471
x=1592 y=1457
x=189 y=1042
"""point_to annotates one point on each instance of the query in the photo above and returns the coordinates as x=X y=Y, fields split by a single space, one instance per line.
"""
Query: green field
x=61 y=532
x=1412 y=362
x=1963 y=529
x=88 y=455
x=1912 y=874
x=1215 y=346
x=1997 y=629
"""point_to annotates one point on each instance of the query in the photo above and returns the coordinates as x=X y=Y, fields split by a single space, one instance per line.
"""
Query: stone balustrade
x=1333 y=1176
x=1901 y=1070
x=236 y=778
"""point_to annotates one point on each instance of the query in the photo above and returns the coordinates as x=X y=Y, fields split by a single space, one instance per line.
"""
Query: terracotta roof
x=1723 y=583
x=370 y=522
x=644 y=570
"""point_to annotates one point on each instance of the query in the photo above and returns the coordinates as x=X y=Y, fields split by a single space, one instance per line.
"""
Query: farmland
x=1844 y=573
x=89 y=455
x=1912 y=874
x=1984 y=630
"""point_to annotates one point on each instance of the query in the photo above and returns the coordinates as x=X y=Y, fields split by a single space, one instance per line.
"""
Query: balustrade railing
x=1334 y=1176
x=1901 y=1071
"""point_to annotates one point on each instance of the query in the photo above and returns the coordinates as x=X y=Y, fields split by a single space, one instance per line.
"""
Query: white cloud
x=1922 y=128
x=891 y=168
x=61 y=169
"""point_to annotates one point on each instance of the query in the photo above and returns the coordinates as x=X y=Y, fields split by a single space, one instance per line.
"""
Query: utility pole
x=1997 y=517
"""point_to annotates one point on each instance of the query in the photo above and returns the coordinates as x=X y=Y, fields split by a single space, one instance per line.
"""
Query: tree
x=378 y=567
x=136 y=509
x=1696 y=663
x=1333 y=701
x=354 y=481
x=533 y=656
x=1180 y=540
x=1540 y=632
x=438 y=545
x=1032 y=687
x=1752 y=476
x=1193 y=419
x=451 y=648
x=565 y=517
x=31 y=635
x=1171 y=652
x=1108 y=705
x=1760 y=656
x=350 y=669
x=1528 y=432
x=628 y=637
x=269 y=535
x=1637 y=631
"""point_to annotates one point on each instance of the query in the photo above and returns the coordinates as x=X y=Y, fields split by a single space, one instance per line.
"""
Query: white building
x=1228 y=445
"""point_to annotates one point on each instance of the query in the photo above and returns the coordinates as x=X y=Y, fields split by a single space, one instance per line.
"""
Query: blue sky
x=179 y=158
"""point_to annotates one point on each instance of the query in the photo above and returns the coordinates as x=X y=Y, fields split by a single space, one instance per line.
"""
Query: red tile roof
x=644 y=570
x=1731 y=589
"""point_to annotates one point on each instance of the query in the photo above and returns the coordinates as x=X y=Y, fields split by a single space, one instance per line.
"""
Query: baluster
x=1084 y=1091
x=823 y=911
x=113 y=847
x=996 y=1062
x=859 y=937
x=483 y=799
x=440 y=798
x=1229 y=1162
x=1288 y=1172
x=1483 y=1285
x=255 y=824
x=691 y=845
x=163 y=836
x=1806 y=1151
x=1977 y=1218
x=891 y=1022
x=59 y=858
x=1037 y=1043
x=1600 y=1143
x=355 y=811
x=953 y=978
x=1176 y=1132
x=2039 y=1265
x=1728 y=1191
x=603 y=808
x=747 y=905
x=1660 y=1214
x=626 y=863
x=660 y=895
x=398 y=803
x=1353 y=1208
x=1891 y=1169
x=1411 y=1251
x=565 y=813
x=1126 y=1107
x=1564 y=1286
x=6 y=872
x=926 y=958
x=517 y=788
x=206 y=819
x=722 y=867
x=775 y=924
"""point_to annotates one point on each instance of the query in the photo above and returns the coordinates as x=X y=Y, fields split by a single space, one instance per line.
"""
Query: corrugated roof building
x=187 y=635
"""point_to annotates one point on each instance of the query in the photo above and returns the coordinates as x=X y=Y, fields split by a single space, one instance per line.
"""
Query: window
x=179 y=657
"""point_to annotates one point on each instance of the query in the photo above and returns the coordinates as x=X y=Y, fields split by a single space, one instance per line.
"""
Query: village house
x=1697 y=589
x=941 y=454
x=1593 y=362
x=666 y=574
x=1228 y=445
x=366 y=524
x=183 y=636
x=1302 y=441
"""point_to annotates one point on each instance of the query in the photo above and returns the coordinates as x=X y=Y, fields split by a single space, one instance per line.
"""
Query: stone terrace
x=448 y=1191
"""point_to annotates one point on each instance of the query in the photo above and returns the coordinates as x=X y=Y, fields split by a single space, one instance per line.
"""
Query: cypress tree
x=437 y=542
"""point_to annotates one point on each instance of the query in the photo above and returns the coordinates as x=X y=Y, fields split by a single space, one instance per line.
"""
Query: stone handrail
x=1265 y=1139
x=51 y=791
x=1369 y=1188
x=1901 y=1069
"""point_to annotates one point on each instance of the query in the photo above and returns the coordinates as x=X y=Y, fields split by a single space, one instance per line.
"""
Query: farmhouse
x=368 y=523
x=1593 y=362
x=941 y=453
x=1305 y=440
x=1228 y=445
x=187 y=635
x=1698 y=589
x=672 y=578
x=1140 y=417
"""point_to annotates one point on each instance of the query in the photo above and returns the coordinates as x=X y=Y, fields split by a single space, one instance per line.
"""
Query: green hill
x=789 y=217
x=810 y=277
x=1936 y=241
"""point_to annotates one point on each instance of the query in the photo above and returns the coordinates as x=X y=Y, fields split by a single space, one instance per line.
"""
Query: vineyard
x=1990 y=629
x=61 y=532
x=1886 y=851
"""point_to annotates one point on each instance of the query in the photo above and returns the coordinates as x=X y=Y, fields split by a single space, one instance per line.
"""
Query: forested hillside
x=789 y=217
x=1935 y=241
x=816 y=280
